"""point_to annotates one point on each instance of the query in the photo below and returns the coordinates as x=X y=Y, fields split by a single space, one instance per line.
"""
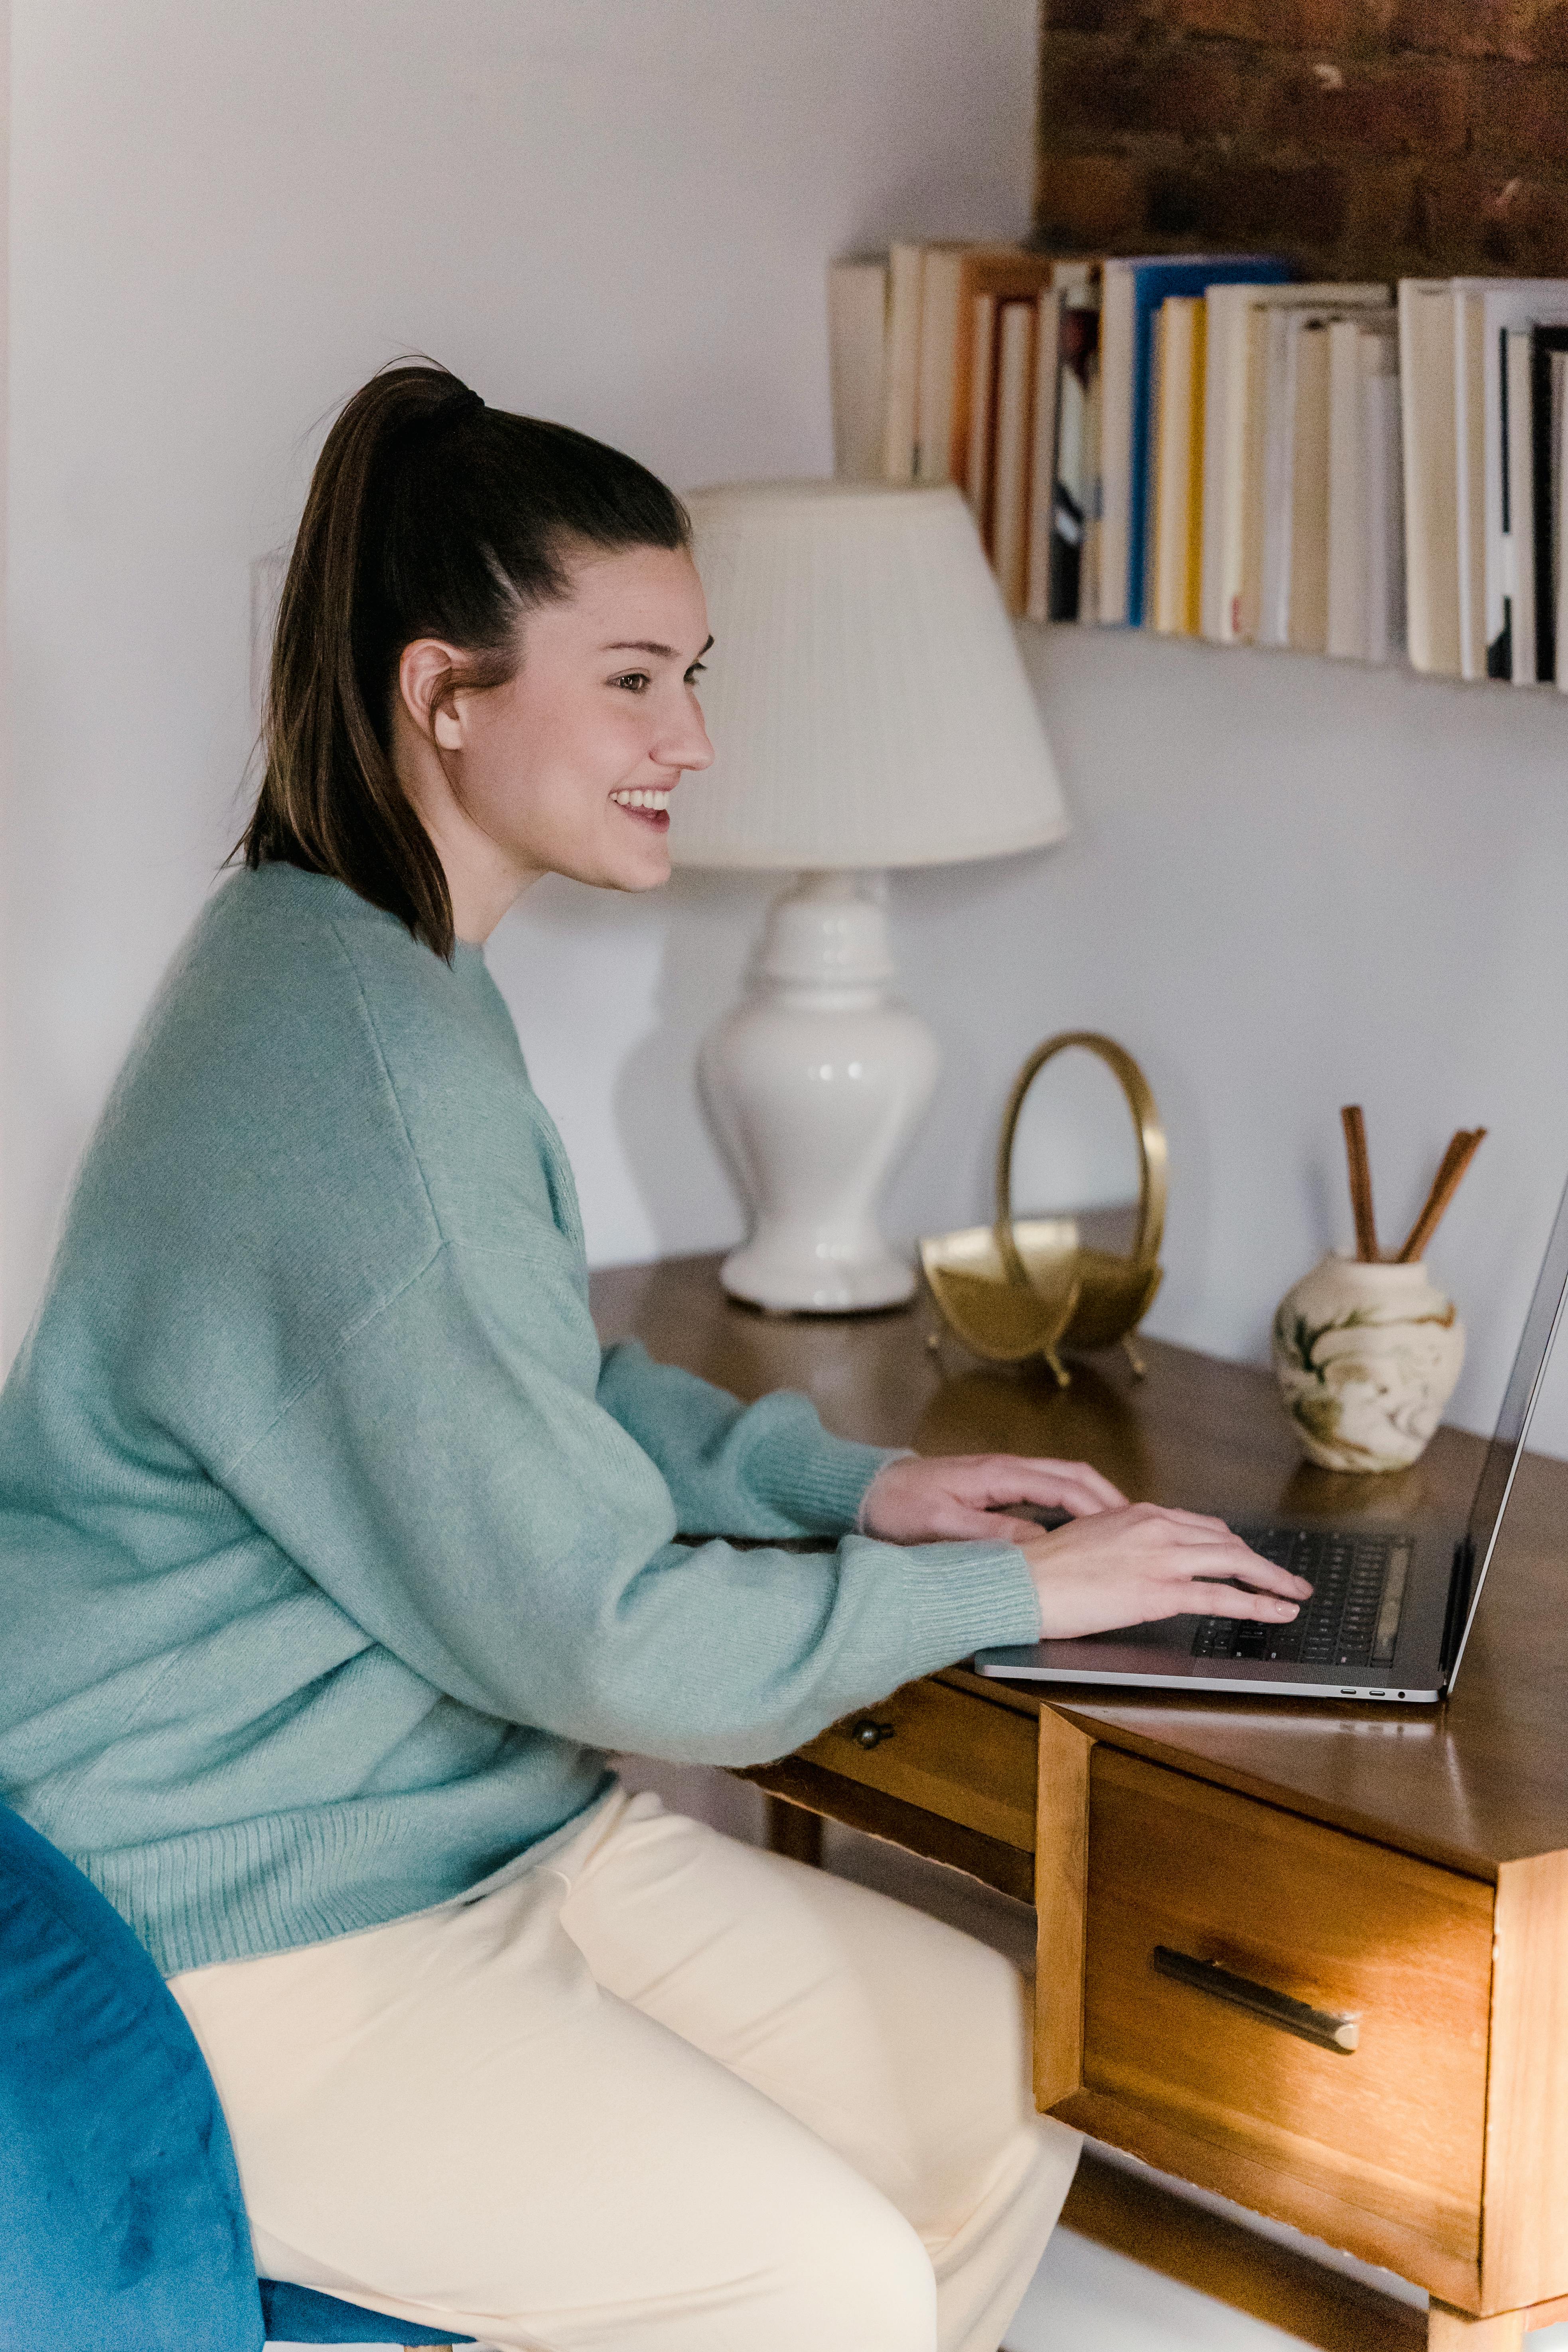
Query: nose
x=683 y=742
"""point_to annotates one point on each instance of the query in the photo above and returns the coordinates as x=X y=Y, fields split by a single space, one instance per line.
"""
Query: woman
x=334 y=1559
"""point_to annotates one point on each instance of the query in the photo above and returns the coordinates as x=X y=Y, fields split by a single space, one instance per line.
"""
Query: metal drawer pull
x=1319 y=2025
x=869 y=1733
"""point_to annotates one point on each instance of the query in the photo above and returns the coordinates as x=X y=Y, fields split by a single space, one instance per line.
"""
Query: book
x=997 y=274
x=1132 y=291
x=1490 y=308
x=1010 y=495
x=906 y=273
x=856 y=364
x=1072 y=587
x=1360 y=349
x=1546 y=344
x=942 y=308
x=1560 y=581
x=1307 y=596
x=1067 y=277
x=1156 y=383
x=1271 y=427
x=1384 y=515
x=1094 y=440
x=1428 y=344
x=1518 y=508
x=1345 y=622
x=981 y=402
x=1176 y=547
x=1229 y=313
x=951 y=276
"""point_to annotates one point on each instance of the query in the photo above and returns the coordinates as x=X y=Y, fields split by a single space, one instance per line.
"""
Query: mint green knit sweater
x=334 y=1558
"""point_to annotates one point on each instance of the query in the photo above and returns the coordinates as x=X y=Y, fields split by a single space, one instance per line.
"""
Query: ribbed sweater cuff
x=819 y=1485
x=968 y=1596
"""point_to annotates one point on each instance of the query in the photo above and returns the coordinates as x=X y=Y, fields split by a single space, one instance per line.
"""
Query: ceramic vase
x=1366 y=1358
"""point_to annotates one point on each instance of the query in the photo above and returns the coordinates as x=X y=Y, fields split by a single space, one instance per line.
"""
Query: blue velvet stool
x=121 y=2224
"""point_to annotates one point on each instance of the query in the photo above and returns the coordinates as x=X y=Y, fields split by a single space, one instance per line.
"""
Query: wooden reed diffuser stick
x=1445 y=1184
x=1361 y=1184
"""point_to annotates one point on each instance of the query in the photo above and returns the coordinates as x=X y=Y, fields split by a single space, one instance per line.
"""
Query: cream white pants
x=662 y=2093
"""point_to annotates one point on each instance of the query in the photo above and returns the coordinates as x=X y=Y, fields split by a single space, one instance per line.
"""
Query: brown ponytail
x=429 y=515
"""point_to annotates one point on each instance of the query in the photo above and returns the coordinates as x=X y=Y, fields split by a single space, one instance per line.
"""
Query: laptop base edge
x=1021 y=1665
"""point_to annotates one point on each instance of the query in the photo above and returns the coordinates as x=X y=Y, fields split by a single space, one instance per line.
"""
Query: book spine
x=900 y=425
x=1560 y=536
x=1014 y=367
x=1192 y=613
x=1519 y=573
x=1043 y=457
x=1279 y=475
x=981 y=412
x=1417 y=620
x=1307 y=616
x=1115 y=440
x=1225 y=461
x=1470 y=463
x=1431 y=513
x=941 y=290
x=1345 y=633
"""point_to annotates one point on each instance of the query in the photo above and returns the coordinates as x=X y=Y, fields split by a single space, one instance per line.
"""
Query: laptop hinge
x=1459 y=1601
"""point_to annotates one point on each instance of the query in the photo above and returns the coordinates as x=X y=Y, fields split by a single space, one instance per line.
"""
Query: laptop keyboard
x=1353 y=1619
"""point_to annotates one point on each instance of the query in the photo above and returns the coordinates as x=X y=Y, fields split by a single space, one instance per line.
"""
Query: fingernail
x=1287 y=1609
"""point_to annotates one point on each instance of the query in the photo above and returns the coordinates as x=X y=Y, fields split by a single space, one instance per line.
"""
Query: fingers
x=1234 y=1560
x=1191 y=1533
x=1075 y=1486
x=1226 y=1600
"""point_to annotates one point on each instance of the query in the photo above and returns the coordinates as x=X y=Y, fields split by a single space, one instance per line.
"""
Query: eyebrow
x=647 y=646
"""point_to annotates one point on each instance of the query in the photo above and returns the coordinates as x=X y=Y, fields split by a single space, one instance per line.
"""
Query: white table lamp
x=868 y=708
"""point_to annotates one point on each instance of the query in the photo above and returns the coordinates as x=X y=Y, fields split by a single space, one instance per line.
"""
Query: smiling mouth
x=649 y=804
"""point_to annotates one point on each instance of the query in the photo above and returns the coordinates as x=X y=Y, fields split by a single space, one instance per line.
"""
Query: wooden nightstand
x=1200 y=1866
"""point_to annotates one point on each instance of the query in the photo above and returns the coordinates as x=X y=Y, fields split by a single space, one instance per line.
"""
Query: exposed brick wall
x=1365 y=137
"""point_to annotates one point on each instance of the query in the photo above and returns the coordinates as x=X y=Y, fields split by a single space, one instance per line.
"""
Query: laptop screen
x=1523 y=1388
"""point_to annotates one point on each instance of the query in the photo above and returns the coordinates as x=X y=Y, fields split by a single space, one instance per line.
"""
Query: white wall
x=1290 y=885
x=616 y=212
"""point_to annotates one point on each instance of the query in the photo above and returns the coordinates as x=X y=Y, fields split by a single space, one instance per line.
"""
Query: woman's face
x=568 y=768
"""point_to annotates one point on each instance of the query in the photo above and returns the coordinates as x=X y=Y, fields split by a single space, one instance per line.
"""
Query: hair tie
x=458 y=405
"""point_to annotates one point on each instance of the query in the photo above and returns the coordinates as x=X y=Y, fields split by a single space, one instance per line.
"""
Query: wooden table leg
x=791 y=1829
x=1455 y=2331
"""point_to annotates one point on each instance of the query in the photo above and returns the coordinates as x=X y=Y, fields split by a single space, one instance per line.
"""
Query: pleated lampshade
x=865 y=694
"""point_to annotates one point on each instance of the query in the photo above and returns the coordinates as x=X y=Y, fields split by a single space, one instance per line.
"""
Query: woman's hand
x=1130 y=1566
x=950 y=1500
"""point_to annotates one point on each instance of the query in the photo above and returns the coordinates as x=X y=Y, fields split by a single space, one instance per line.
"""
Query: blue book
x=1134 y=291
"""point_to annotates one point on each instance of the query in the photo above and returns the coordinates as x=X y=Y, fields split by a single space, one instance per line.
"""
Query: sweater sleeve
x=450 y=1479
x=767 y=1469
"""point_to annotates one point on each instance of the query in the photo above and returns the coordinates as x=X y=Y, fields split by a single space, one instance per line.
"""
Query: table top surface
x=1476 y=1782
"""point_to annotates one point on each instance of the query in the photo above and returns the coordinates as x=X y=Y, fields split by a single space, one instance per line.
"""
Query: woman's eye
x=634 y=681
x=697 y=670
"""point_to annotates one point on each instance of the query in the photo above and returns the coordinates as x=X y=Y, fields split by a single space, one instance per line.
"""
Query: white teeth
x=639 y=799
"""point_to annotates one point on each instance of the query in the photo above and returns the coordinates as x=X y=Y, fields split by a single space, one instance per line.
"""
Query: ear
x=425 y=675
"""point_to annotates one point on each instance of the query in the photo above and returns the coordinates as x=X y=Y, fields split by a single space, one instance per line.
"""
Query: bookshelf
x=1364 y=146
x=1211 y=447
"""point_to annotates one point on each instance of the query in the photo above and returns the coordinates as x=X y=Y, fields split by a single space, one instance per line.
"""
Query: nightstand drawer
x=952 y=1755
x=1298 y=1999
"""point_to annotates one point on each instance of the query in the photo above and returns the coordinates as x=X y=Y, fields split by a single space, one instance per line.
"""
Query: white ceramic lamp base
x=817 y=1084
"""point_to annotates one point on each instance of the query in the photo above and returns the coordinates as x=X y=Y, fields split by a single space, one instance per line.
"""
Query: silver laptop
x=1391 y=1609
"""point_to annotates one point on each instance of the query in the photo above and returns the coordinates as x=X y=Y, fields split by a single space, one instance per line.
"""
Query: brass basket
x=1027 y=1287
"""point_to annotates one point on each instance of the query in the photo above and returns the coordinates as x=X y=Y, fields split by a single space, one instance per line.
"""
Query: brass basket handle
x=1152 y=1153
